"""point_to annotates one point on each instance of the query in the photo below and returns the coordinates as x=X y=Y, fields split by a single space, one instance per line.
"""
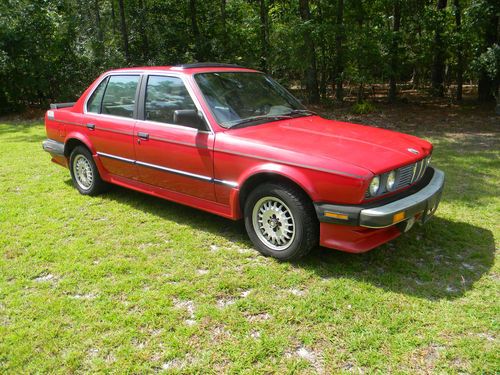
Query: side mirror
x=189 y=117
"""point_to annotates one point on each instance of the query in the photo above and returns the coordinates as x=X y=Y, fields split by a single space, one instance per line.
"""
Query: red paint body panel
x=333 y=145
x=355 y=239
x=205 y=205
x=178 y=148
x=331 y=161
x=115 y=136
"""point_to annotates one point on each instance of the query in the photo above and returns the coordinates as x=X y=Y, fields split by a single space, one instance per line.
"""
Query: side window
x=164 y=95
x=94 y=102
x=119 y=97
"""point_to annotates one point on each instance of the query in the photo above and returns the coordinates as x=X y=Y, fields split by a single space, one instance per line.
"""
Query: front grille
x=409 y=174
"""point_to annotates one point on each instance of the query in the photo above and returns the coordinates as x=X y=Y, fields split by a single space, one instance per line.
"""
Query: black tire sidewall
x=296 y=249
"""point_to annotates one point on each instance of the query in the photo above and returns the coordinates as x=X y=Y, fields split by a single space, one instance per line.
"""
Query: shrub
x=363 y=108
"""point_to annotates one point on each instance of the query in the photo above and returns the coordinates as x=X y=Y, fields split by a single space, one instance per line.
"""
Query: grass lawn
x=125 y=282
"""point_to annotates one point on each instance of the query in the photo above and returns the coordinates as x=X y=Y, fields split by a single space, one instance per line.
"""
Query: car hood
x=374 y=149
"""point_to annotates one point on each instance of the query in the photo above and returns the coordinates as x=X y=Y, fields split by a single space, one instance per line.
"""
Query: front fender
x=320 y=186
x=294 y=174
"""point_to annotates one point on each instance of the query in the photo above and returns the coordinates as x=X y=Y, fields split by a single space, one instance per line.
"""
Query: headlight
x=374 y=186
x=429 y=159
x=391 y=181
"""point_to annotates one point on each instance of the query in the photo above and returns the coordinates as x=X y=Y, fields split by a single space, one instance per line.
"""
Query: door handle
x=91 y=126
x=142 y=135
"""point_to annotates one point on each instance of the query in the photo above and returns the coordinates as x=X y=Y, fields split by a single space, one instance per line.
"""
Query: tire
x=284 y=208
x=84 y=173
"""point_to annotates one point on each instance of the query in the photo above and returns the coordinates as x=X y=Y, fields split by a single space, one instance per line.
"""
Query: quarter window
x=165 y=95
x=94 y=103
x=119 y=97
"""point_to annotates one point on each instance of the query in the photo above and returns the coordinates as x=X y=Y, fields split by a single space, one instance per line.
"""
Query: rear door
x=172 y=156
x=110 y=118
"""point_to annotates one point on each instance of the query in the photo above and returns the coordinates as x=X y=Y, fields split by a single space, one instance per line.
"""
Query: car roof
x=188 y=68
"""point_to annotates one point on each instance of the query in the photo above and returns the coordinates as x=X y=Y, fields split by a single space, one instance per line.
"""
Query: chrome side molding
x=231 y=184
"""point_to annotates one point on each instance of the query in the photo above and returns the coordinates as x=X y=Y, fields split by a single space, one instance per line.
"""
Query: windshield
x=237 y=98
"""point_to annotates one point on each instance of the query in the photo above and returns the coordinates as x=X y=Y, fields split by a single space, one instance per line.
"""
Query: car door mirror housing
x=189 y=117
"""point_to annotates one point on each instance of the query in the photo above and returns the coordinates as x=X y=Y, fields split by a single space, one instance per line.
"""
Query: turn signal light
x=336 y=215
x=400 y=216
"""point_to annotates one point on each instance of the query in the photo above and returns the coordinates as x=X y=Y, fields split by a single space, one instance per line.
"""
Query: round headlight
x=391 y=180
x=374 y=186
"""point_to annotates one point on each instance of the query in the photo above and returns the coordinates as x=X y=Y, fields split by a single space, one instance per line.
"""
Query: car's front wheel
x=84 y=172
x=281 y=221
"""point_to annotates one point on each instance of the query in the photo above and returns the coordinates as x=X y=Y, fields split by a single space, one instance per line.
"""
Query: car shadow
x=441 y=260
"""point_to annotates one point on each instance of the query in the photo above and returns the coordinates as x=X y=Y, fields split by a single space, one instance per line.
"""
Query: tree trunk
x=497 y=80
x=264 y=36
x=225 y=41
x=361 y=93
x=199 y=53
x=311 y=73
x=460 y=55
x=113 y=17
x=323 y=52
x=144 y=30
x=439 y=53
x=488 y=86
x=99 y=51
x=394 y=50
x=123 y=27
x=339 y=57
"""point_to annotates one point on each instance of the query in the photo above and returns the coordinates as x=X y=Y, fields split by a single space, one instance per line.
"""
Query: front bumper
x=418 y=202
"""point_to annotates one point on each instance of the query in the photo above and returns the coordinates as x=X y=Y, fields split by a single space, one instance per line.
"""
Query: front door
x=172 y=156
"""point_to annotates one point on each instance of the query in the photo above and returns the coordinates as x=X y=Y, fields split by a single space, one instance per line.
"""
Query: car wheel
x=84 y=172
x=281 y=221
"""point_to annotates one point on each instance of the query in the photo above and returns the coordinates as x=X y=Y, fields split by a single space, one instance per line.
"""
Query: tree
x=223 y=15
x=339 y=53
x=394 y=50
x=439 y=52
x=264 y=35
x=488 y=62
x=311 y=74
x=99 y=48
x=143 y=30
x=123 y=29
x=459 y=49
x=54 y=49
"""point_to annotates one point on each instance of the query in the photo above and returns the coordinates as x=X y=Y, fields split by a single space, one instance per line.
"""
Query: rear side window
x=165 y=95
x=94 y=103
x=119 y=97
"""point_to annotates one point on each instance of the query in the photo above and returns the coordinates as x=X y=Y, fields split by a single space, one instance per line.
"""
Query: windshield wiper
x=302 y=112
x=249 y=120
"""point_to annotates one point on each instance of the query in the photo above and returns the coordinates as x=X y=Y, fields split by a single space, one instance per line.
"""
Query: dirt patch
x=258 y=317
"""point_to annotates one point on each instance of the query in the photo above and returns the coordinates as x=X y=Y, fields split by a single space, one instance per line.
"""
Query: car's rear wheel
x=281 y=221
x=84 y=172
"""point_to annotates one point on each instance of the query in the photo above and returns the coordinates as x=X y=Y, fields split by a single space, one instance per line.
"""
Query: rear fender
x=84 y=139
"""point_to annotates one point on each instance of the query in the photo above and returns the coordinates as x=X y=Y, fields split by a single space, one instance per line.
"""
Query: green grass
x=125 y=282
